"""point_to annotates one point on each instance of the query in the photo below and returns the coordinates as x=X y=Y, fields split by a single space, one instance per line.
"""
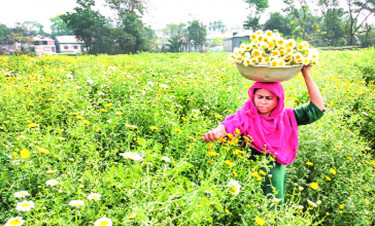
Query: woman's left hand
x=306 y=69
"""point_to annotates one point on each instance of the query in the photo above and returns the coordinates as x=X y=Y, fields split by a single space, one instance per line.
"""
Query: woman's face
x=265 y=101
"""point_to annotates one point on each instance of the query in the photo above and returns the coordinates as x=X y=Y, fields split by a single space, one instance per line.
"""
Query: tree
x=333 y=27
x=174 y=44
x=217 y=26
x=89 y=26
x=197 y=33
x=59 y=27
x=33 y=28
x=124 y=7
x=256 y=8
x=280 y=23
x=355 y=9
x=175 y=30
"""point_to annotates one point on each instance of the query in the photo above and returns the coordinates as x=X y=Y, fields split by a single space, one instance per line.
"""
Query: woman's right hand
x=215 y=134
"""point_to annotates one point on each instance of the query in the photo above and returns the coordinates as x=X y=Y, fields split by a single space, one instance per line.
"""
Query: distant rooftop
x=68 y=39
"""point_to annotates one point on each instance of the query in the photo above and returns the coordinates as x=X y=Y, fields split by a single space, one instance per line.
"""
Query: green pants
x=275 y=184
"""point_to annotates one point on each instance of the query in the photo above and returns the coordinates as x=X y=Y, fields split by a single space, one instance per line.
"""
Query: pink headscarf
x=276 y=134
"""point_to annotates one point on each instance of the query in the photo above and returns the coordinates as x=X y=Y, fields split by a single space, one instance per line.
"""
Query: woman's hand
x=306 y=69
x=215 y=134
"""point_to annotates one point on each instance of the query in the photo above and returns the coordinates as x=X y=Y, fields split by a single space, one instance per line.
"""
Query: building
x=44 y=45
x=68 y=44
x=230 y=43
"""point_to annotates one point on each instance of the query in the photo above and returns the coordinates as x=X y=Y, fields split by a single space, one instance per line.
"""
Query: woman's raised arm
x=314 y=93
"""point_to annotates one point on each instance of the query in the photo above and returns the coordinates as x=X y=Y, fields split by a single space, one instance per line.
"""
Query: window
x=65 y=47
x=75 y=47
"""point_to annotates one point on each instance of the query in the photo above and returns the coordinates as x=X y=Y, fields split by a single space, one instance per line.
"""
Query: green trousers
x=274 y=182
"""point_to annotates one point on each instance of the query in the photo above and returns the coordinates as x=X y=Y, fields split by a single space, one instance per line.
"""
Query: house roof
x=67 y=39
x=243 y=33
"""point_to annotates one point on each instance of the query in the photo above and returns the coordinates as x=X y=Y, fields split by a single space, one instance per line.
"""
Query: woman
x=273 y=128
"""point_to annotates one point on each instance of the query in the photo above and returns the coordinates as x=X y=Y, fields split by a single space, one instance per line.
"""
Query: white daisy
x=234 y=187
x=52 y=182
x=103 y=222
x=25 y=206
x=76 y=203
x=21 y=194
x=94 y=196
x=15 y=221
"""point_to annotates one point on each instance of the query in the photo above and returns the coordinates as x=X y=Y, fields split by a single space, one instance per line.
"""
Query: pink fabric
x=277 y=134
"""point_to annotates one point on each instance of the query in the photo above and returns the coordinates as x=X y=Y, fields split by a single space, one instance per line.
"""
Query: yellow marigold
x=314 y=185
x=309 y=163
x=25 y=154
x=229 y=163
x=262 y=172
x=43 y=150
x=342 y=206
x=178 y=130
x=212 y=153
x=238 y=152
x=153 y=128
x=260 y=221
x=256 y=175
x=86 y=123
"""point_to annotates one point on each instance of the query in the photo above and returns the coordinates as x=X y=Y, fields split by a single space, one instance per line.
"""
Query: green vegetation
x=128 y=128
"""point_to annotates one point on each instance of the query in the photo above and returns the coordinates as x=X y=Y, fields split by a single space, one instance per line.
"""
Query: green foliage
x=197 y=33
x=280 y=23
x=80 y=109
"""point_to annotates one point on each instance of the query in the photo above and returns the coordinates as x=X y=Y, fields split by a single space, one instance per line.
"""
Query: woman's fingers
x=210 y=136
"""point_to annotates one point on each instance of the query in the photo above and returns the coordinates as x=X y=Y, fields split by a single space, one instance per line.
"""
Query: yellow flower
x=227 y=211
x=211 y=161
x=262 y=172
x=256 y=175
x=309 y=163
x=301 y=47
x=273 y=63
x=86 y=123
x=43 y=150
x=119 y=113
x=130 y=126
x=218 y=116
x=153 y=128
x=79 y=117
x=15 y=221
x=103 y=110
x=314 y=185
x=178 y=131
x=333 y=171
x=312 y=204
x=256 y=53
x=229 y=163
x=24 y=153
x=281 y=63
x=260 y=221
x=33 y=125
x=212 y=153
x=341 y=206
x=328 y=178
x=235 y=173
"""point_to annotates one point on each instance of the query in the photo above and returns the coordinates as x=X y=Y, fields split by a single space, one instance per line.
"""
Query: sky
x=160 y=12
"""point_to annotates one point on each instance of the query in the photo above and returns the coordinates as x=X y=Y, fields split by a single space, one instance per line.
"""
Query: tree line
x=327 y=24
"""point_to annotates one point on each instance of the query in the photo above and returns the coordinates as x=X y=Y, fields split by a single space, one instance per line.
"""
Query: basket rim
x=269 y=66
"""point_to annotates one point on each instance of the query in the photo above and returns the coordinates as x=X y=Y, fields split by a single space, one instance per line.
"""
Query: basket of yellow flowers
x=268 y=57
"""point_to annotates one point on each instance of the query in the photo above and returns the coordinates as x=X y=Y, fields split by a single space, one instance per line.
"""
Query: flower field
x=115 y=140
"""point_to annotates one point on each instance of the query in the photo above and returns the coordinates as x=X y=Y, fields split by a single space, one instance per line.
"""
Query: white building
x=68 y=44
